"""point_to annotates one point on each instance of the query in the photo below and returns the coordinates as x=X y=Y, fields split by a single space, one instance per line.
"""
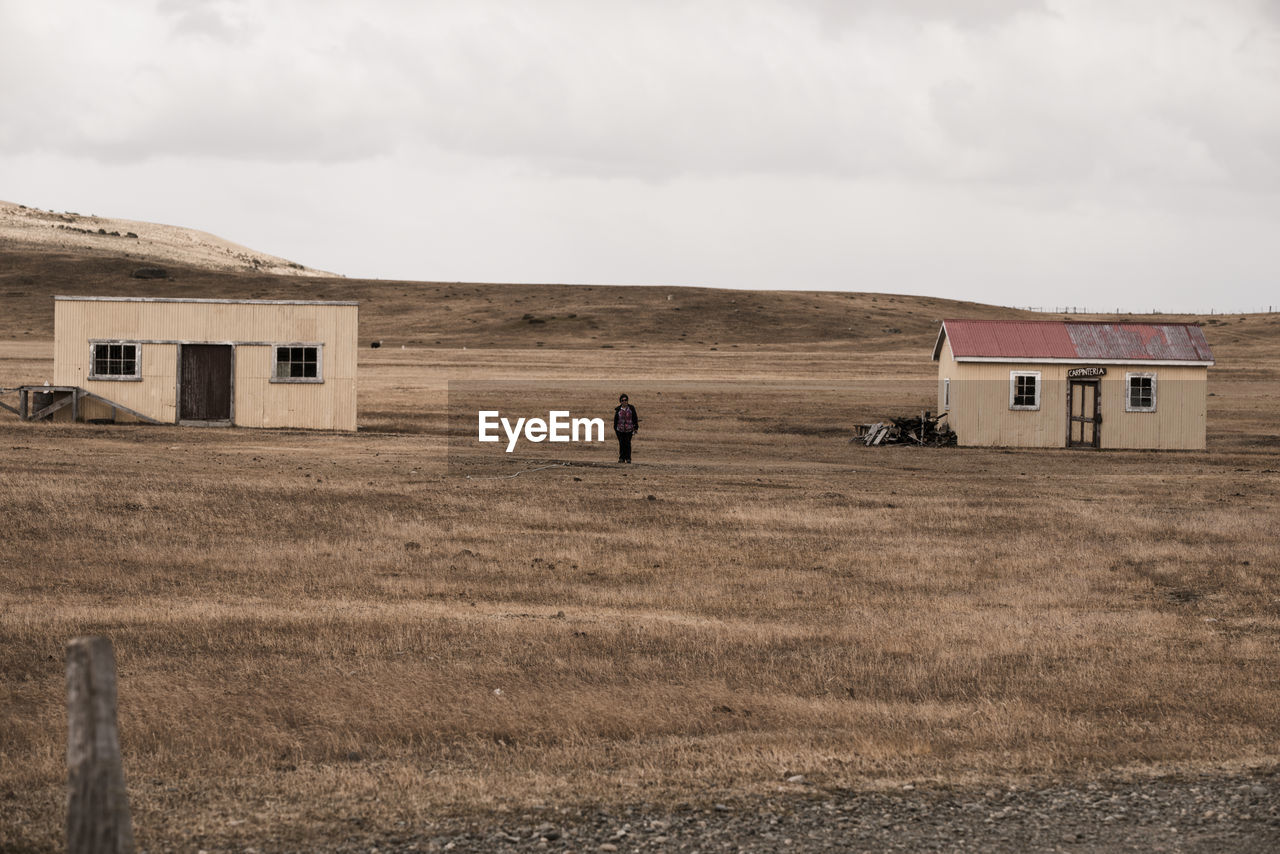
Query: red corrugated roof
x=1069 y=339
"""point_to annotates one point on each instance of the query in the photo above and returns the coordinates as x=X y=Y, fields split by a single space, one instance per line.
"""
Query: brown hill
x=493 y=315
x=34 y=267
x=141 y=241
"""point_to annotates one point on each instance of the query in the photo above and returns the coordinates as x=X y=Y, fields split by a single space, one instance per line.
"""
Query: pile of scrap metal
x=923 y=429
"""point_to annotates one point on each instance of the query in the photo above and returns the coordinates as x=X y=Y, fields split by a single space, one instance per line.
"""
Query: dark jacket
x=634 y=417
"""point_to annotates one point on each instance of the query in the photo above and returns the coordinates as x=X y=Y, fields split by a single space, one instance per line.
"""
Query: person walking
x=625 y=423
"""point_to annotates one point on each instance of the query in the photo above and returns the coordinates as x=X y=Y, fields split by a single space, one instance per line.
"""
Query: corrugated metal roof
x=1076 y=340
x=1139 y=341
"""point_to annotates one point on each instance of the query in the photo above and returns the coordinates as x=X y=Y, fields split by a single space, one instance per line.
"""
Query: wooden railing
x=62 y=397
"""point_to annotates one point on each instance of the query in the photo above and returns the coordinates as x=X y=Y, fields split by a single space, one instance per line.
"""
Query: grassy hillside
x=446 y=314
x=499 y=315
x=145 y=242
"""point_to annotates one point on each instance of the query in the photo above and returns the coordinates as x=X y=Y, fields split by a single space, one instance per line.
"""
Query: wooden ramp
x=39 y=402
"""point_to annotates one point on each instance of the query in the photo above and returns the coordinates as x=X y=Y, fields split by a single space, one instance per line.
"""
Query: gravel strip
x=1205 y=814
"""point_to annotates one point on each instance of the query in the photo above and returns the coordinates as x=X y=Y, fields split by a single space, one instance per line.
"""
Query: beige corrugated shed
x=1054 y=384
x=251 y=363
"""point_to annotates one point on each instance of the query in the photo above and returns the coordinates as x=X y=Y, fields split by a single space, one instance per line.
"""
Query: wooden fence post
x=97 y=804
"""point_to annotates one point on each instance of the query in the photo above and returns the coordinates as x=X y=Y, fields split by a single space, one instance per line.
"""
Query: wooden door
x=204 y=383
x=1084 y=415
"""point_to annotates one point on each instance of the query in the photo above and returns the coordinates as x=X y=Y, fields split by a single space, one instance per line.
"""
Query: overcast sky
x=1028 y=152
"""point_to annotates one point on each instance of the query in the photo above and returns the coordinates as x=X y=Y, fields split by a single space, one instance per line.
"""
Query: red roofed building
x=1055 y=383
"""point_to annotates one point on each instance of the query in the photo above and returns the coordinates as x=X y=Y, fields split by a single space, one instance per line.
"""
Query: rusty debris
x=923 y=429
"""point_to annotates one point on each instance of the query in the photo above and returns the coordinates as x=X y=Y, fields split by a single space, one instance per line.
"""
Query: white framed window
x=1024 y=390
x=1140 y=392
x=298 y=363
x=115 y=360
x=946 y=393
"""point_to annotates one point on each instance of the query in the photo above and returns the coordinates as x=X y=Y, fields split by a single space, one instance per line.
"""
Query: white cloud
x=928 y=124
x=657 y=89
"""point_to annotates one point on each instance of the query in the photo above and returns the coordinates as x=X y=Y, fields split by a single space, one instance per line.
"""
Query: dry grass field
x=326 y=637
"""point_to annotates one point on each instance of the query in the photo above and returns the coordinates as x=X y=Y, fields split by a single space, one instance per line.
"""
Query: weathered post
x=97 y=804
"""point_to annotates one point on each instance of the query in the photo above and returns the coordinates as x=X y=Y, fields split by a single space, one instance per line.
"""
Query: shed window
x=1024 y=389
x=297 y=363
x=115 y=361
x=946 y=394
x=1141 y=392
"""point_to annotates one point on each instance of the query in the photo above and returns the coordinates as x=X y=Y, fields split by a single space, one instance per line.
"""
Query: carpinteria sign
x=558 y=426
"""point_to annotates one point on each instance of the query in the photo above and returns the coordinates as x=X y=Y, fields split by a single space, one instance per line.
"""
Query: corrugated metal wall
x=980 y=413
x=330 y=405
x=1179 y=420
